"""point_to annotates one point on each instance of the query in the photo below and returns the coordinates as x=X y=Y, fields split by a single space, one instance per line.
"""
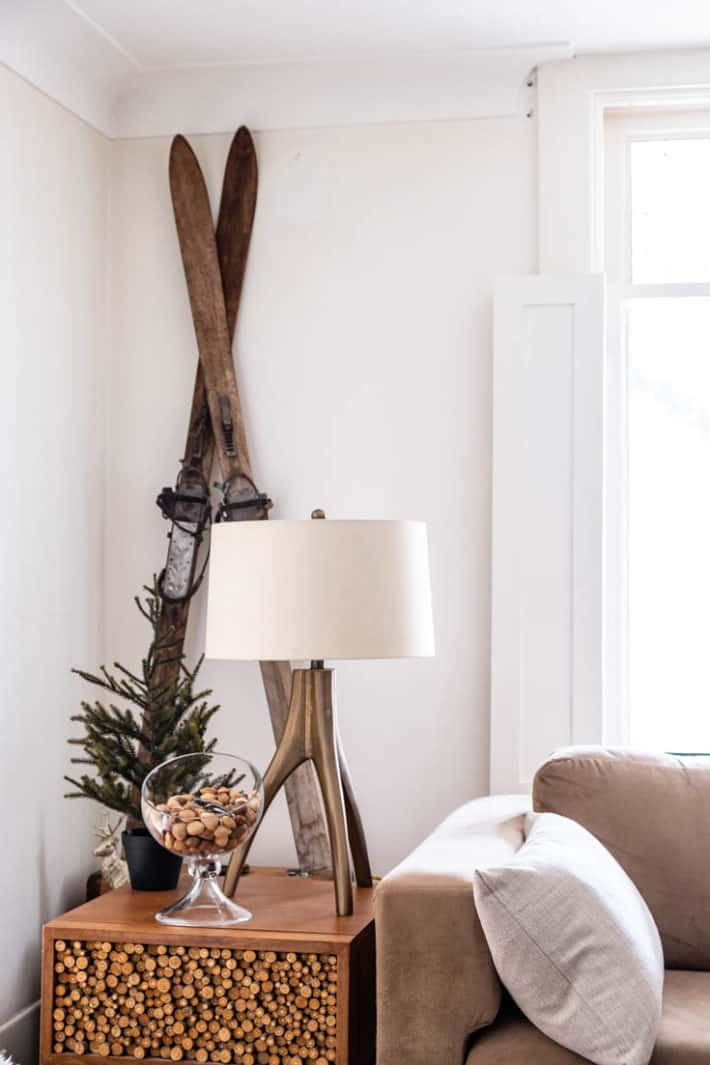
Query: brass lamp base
x=311 y=732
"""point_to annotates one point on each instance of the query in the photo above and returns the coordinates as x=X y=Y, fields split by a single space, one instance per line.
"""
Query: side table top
x=290 y=905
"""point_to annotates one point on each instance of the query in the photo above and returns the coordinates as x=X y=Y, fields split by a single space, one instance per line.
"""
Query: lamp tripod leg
x=356 y=832
x=288 y=756
x=325 y=759
x=311 y=732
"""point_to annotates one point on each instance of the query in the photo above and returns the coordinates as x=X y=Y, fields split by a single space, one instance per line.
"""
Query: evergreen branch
x=173 y=719
x=127 y=673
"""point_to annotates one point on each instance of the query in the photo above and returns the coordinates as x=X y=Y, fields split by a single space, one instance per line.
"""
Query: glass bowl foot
x=205 y=904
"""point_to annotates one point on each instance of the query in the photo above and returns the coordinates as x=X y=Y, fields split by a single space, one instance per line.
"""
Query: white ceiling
x=149 y=67
x=159 y=33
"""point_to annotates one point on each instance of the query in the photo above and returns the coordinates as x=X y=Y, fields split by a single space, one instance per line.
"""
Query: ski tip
x=180 y=149
x=242 y=143
x=184 y=172
x=241 y=159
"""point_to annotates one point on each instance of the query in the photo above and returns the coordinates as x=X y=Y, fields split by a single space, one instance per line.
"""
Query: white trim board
x=66 y=56
x=546 y=604
x=573 y=96
x=426 y=87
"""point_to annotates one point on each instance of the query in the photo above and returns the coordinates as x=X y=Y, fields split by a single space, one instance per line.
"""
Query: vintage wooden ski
x=182 y=548
x=187 y=505
x=214 y=270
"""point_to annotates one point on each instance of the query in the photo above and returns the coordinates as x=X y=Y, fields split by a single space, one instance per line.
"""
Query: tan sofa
x=439 y=999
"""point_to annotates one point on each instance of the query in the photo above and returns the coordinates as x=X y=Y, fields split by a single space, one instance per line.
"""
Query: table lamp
x=317 y=590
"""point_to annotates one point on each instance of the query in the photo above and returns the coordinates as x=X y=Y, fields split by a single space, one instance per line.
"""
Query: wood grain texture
x=198 y=247
x=215 y=267
x=298 y=964
x=235 y=220
x=172 y=624
x=361 y=1023
x=302 y=792
x=281 y=905
x=191 y=1002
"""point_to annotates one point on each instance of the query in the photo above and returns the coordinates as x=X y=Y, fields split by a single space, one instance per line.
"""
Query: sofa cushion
x=513 y=1040
x=683 y=1039
x=574 y=943
x=652 y=812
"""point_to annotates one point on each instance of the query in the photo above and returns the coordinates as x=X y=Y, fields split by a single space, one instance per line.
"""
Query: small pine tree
x=122 y=746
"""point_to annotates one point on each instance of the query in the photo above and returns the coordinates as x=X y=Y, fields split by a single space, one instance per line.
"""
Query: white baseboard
x=20 y=1036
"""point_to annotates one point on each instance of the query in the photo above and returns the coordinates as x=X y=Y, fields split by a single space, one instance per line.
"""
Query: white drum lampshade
x=295 y=590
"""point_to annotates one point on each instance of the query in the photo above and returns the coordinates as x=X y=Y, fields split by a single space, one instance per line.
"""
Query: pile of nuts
x=213 y=821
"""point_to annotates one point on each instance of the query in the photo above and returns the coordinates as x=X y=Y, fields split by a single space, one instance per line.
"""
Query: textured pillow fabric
x=574 y=943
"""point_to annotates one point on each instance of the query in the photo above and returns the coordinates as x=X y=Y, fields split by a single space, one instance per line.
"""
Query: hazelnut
x=221 y=836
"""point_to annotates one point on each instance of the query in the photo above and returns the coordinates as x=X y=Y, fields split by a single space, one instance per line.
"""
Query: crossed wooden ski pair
x=214 y=264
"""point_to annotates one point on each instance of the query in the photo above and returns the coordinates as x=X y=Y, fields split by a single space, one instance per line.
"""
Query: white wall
x=53 y=213
x=365 y=362
x=364 y=355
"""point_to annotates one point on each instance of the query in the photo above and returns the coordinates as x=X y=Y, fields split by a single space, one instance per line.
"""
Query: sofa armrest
x=435 y=977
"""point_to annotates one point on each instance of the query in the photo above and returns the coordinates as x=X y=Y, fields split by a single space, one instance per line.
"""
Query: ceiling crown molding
x=454 y=85
x=65 y=55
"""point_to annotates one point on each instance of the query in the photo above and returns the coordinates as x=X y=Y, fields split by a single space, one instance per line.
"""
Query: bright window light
x=669 y=508
x=670 y=211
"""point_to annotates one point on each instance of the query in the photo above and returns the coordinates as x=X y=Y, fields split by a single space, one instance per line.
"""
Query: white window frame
x=624 y=126
x=574 y=97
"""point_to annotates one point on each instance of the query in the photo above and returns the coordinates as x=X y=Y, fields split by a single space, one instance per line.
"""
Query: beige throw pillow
x=574 y=943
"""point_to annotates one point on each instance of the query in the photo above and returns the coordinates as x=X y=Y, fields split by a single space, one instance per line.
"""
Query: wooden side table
x=294 y=985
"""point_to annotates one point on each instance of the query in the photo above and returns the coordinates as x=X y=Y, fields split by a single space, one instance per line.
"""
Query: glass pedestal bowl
x=201 y=807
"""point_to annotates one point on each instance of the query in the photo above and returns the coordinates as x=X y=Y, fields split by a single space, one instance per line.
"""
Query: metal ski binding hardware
x=227 y=426
x=187 y=506
x=241 y=500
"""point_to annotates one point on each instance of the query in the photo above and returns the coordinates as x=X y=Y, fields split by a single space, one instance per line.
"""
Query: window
x=669 y=180
x=657 y=258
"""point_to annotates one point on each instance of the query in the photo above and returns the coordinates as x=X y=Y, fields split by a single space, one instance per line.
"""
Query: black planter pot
x=150 y=866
